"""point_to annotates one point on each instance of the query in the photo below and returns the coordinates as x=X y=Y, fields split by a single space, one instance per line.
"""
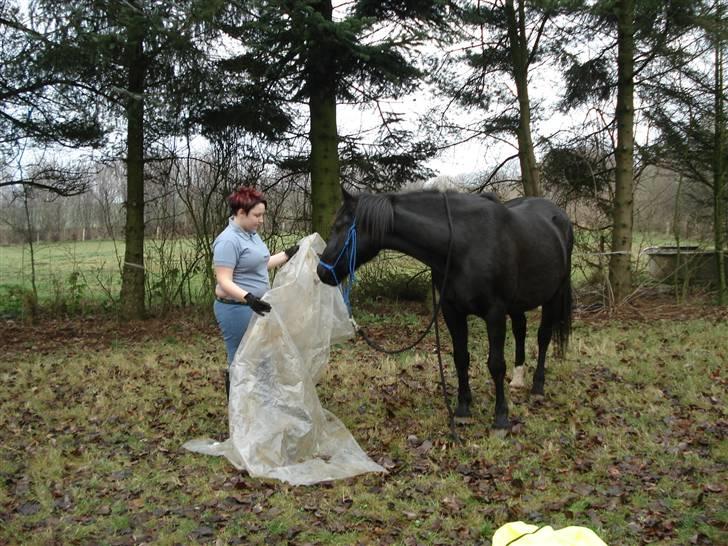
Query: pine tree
x=132 y=59
x=305 y=57
x=689 y=114
x=38 y=107
x=506 y=42
x=620 y=271
x=647 y=31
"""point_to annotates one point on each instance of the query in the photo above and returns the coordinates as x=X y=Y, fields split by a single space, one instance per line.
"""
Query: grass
x=56 y=261
x=629 y=441
x=83 y=276
x=79 y=276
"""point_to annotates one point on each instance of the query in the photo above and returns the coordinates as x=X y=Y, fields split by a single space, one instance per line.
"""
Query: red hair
x=245 y=198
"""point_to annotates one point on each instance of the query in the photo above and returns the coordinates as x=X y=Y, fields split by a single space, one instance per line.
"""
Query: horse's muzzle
x=325 y=275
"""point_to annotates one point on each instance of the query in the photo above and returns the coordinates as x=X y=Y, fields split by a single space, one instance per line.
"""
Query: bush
x=18 y=302
x=12 y=297
x=392 y=279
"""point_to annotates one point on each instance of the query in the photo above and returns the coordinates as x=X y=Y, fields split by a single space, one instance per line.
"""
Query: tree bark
x=519 y=58
x=620 y=271
x=718 y=162
x=324 y=161
x=32 y=301
x=132 y=282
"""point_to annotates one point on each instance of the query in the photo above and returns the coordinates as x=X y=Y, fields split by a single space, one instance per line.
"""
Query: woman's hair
x=245 y=198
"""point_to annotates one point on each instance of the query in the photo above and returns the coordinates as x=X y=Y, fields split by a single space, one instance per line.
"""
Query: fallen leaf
x=424 y=447
x=29 y=508
x=614 y=472
x=202 y=532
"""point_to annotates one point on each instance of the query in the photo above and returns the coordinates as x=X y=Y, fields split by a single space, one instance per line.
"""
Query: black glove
x=291 y=251
x=256 y=304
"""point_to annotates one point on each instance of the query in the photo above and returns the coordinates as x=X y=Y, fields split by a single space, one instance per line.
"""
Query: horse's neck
x=420 y=231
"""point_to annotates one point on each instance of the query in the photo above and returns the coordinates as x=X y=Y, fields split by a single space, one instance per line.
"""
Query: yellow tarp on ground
x=518 y=533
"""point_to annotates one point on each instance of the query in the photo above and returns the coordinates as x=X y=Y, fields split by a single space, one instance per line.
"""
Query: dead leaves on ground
x=605 y=448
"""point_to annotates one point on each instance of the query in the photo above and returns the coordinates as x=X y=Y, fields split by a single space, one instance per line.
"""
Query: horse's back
x=524 y=220
x=537 y=215
x=535 y=205
x=543 y=234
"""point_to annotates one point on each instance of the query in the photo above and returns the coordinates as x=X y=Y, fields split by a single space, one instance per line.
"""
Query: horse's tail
x=565 y=303
x=562 y=322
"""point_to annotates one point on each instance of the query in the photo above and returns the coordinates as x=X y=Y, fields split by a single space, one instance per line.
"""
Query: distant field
x=89 y=271
x=94 y=266
x=58 y=260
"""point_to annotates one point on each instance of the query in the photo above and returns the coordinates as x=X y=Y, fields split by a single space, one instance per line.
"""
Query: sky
x=476 y=155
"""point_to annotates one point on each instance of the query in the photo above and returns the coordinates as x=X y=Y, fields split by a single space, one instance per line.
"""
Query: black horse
x=506 y=258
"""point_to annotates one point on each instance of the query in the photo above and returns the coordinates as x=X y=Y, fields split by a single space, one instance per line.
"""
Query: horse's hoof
x=518 y=382
x=463 y=421
x=499 y=432
x=537 y=396
x=462 y=412
x=502 y=423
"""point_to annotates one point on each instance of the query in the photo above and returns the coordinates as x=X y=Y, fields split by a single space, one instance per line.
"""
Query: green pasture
x=75 y=275
x=630 y=440
x=58 y=259
x=95 y=264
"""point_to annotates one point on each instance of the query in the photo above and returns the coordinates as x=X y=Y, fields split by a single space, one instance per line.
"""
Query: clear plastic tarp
x=278 y=428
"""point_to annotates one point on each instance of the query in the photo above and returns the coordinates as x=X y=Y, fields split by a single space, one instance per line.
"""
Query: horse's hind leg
x=496 y=322
x=518 y=326
x=457 y=324
x=545 y=331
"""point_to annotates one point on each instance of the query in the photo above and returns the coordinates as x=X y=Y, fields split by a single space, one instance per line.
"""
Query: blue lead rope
x=350 y=244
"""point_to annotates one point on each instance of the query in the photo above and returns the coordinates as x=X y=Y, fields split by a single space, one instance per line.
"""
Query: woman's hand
x=277 y=260
x=256 y=304
x=291 y=251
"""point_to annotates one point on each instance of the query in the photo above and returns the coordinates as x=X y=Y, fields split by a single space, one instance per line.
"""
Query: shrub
x=392 y=279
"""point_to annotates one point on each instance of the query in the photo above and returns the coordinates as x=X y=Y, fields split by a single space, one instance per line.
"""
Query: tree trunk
x=519 y=58
x=718 y=162
x=30 y=304
x=620 y=272
x=132 y=282
x=324 y=163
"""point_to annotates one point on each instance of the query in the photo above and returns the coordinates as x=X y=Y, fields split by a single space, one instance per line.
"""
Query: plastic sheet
x=523 y=534
x=278 y=428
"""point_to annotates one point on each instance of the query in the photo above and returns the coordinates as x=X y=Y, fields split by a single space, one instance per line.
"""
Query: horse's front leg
x=496 y=322
x=518 y=327
x=457 y=325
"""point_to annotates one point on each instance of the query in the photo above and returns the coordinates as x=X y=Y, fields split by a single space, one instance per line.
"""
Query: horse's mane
x=374 y=214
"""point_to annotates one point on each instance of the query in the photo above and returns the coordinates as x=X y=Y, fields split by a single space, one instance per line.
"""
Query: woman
x=242 y=260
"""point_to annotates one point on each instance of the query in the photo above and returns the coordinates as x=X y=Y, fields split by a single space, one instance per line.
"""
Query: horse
x=505 y=258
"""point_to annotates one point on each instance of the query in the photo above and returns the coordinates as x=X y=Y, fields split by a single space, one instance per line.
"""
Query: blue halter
x=350 y=243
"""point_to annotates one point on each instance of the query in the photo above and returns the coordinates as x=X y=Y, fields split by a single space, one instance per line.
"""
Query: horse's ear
x=346 y=196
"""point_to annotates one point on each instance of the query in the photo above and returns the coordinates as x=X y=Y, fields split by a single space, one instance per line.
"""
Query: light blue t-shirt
x=247 y=254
